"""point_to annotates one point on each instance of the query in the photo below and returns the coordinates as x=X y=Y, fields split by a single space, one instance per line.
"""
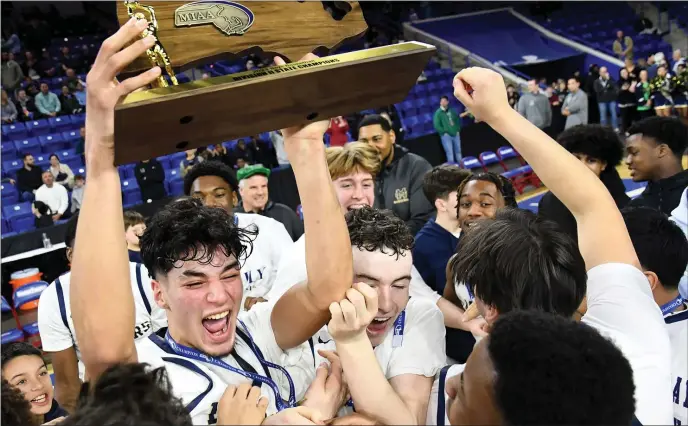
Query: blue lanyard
x=670 y=306
x=398 y=336
x=188 y=352
x=470 y=292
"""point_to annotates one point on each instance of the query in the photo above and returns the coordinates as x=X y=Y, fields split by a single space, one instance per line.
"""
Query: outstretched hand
x=482 y=91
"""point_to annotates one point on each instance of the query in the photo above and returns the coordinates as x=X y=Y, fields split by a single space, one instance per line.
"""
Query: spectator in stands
x=150 y=176
x=47 y=102
x=47 y=66
x=134 y=227
x=512 y=95
x=80 y=94
x=11 y=72
x=7 y=109
x=71 y=80
x=191 y=160
x=651 y=67
x=436 y=241
x=253 y=188
x=26 y=108
x=25 y=369
x=278 y=143
x=390 y=112
x=220 y=153
x=69 y=103
x=677 y=59
x=29 y=179
x=241 y=162
x=337 y=131
x=80 y=144
x=679 y=93
x=535 y=106
x=660 y=89
x=654 y=151
x=607 y=94
x=643 y=96
x=30 y=66
x=448 y=126
x=260 y=152
x=399 y=185
x=601 y=150
x=626 y=100
x=241 y=151
x=54 y=196
x=67 y=60
x=61 y=172
x=623 y=46
x=575 y=107
x=11 y=41
x=632 y=69
x=78 y=193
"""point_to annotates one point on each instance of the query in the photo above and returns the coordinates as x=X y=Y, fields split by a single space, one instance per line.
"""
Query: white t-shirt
x=621 y=308
x=680 y=217
x=437 y=406
x=677 y=326
x=55 y=197
x=292 y=270
x=55 y=314
x=200 y=385
x=272 y=242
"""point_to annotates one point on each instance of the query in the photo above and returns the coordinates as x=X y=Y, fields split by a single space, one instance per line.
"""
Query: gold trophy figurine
x=156 y=54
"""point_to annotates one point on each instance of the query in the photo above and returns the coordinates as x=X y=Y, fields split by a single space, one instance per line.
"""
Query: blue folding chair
x=14 y=131
x=61 y=123
x=38 y=127
x=28 y=146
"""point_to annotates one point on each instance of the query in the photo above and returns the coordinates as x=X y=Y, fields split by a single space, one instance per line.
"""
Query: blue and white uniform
x=677 y=326
x=55 y=314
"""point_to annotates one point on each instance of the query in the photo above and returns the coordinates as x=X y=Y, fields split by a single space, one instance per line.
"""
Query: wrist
x=352 y=341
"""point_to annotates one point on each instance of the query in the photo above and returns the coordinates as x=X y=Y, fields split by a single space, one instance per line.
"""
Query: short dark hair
x=378 y=230
x=210 y=168
x=16 y=410
x=548 y=370
x=70 y=230
x=519 y=261
x=128 y=395
x=132 y=218
x=576 y=78
x=186 y=230
x=444 y=97
x=373 y=119
x=26 y=154
x=441 y=180
x=17 y=349
x=663 y=130
x=593 y=140
x=659 y=243
x=504 y=186
x=79 y=177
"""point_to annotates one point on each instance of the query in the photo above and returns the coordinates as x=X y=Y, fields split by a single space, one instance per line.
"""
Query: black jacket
x=282 y=214
x=151 y=179
x=663 y=195
x=29 y=180
x=607 y=91
x=552 y=209
x=399 y=188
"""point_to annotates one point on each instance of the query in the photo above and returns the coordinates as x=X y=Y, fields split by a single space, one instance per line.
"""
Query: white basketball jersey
x=677 y=326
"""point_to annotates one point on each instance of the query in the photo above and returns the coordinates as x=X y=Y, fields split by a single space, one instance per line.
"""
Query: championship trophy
x=172 y=117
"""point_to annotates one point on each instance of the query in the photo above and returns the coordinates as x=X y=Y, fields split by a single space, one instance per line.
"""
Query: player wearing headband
x=194 y=253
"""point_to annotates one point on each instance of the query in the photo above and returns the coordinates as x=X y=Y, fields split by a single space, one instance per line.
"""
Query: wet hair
x=518 y=261
x=16 y=410
x=70 y=230
x=132 y=218
x=129 y=395
x=441 y=180
x=211 y=168
x=503 y=185
x=13 y=350
x=378 y=230
x=663 y=130
x=186 y=230
x=660 y=244
x=552 y=370
x=593 y=140
x=373 y=119
x=352 y=157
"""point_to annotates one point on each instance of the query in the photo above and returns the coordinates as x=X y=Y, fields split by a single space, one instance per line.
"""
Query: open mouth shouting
x=378 y=326
x=217 y=326
x=41 y=400
x=356 y=206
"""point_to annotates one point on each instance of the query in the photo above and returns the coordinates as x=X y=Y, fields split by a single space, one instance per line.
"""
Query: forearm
x=102 y=301
x=371 y=392
x=452 y=315
x=328 y=248
x=67 y=392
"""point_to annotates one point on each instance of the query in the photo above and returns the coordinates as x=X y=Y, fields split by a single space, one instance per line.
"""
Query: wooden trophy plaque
x=173 y=117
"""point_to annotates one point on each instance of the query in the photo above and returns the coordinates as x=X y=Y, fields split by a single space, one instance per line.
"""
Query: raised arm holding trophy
x=172 y=117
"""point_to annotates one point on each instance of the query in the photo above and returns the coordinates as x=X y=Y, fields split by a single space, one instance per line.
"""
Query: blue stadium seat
x=78 y=120
x=131 y=199
x=10 y=167
x=175 y=187
x=491 y=162
x=16 y=210
x=173 y=174
x=51 y=143
x=66 y=154
x=60 y=123
x=38 y=127
x=42 y=160
x=13 y=335
x=129 y=185
x=70 y=137
x=74 y=163
x=56 y=83
x=28 y=146
x=9 y=194
x=5 y=226
x=126 y=171
x=14 y=131
x=80 y=171
x=9 y=151
x=472 y=164
x=176 y=158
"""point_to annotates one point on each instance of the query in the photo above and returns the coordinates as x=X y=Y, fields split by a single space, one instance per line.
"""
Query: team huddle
x=252 y=328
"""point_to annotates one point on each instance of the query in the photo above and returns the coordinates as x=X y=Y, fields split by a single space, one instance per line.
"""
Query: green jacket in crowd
x=446 y=121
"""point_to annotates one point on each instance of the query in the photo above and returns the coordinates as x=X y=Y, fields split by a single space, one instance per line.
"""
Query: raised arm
x=602 y=235
x=101 y=298
x=304 y=309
